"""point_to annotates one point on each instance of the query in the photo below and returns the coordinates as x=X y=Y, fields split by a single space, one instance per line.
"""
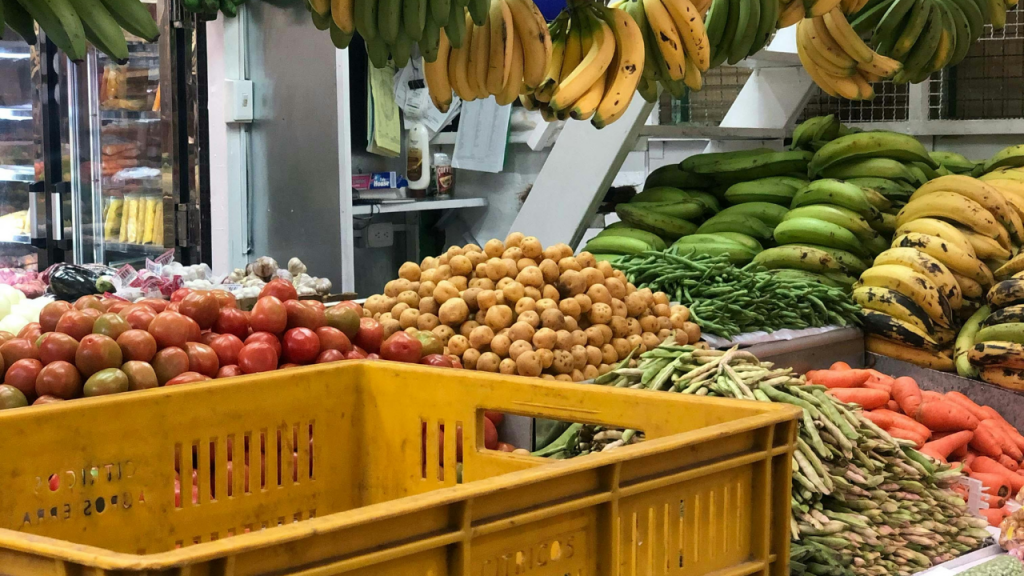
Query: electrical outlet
x=380 y=235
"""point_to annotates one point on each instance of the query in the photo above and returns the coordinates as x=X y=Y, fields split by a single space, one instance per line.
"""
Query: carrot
x=866 y=397
x=905 y=422
x=959 y=453
x=945 y=446
x=971 y=455
x=986 y=465
x=957 y=397
x=838 y=378
x=914 y=437
x=943 y=416
x=839 y=366
x=995 y=483
x=1005 y=441
x=931 y=395
x=893 y=405
x=1015 y=435
x=990 y=413
x=876 y=384
x=881 y=418
x=1009 y=463
x=993 y=501
x=994 y=515
x=985 y=442
x=884 y=378
x=906 y=393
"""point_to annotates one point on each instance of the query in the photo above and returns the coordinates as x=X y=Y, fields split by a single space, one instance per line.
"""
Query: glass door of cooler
x=21 y=155
x=131 y=149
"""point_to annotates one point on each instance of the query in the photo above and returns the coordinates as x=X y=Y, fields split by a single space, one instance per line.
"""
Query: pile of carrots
x=948 y=427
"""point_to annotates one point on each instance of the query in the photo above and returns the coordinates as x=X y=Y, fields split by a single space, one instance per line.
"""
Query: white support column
x=771 y=98
x=581 y=166
x=348 y=279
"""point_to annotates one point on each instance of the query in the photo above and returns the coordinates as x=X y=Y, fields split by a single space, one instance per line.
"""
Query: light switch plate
x=239 y=101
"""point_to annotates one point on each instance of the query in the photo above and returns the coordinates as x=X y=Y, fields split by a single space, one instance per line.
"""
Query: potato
x=620 y=329
x=495 y=269
x=549 y=268
x=571 y=324
x=552 y=318
x=570 y=307
x=600 y=313
x=635 y=304
x=493 y=248
x=579 y=357
x=633 y=327
x=636 y=341
x=544 y=338
x=488 y=362
x=518 y=347
x=606 y=331
x=619 y=308
x=428 y=263
x=398 y=309
x=521 y=331
x=454 y=312
x=692 y=331
x=427 y=321
x=579 y=337
x=571 y=283
x=630 y=288
x=547 y=377
x=664 y=323
x=524 y=263
x=532 y=292
x=511 y=268
x=569 y=263
x=513 y=253
x=524 y=304
x=594 y=355
x=661 y=298
x=373 y=303
x=606 y=268
x=648 y=296
x=507 y=366
x=620 y=276
x=390 y=289
x=599 y=294
x=481 y=283
x=528 y=364
x=545 y=356
x=546 y=304
x=471 y=248
x=382 y=317
x=621 y=346
x=513 y=239
x=476 y=258
x=563 y=340
x=467 y=327
x=608 y=354
x=616 y=288
x=664 y=333
x=651 y=340
x=531 y=276
x=584 y=302
x=562 y=362
x=442 y=272
x=592 y=276
x=444 y=291
x=460 y=282
x=409 y=271
x=590 y=372
x=551 y=292
x=461 y=265
x=513 y=291
x=410 y=298
x=426 y=289
x=678 y=320
x=390 y=326
x=604 y=369
x=552 y=253
x=586 y=259
x=576 y=375
x=486 y=299
x=480 y=270
x=662 y=310
x=409 y=318
x=388 y=303
x=458 y=344
x=563 y=378
x=499 y=317
x=453 y=251
x=500 y=345
x=531 y=317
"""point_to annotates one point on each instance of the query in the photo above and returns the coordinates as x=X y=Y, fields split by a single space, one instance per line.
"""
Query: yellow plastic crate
x=344 y=487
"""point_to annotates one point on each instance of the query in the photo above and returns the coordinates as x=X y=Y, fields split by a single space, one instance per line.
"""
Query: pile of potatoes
x=515 y=307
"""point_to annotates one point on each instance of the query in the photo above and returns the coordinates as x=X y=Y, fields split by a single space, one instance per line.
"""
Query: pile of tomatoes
x=99 y=346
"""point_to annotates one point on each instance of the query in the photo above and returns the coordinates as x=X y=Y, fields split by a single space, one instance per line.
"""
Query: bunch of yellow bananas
x=503 y=56
x=838 y=60
x=594 y=68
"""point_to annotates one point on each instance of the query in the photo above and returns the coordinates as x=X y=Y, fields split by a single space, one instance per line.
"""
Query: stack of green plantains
x=863 y=503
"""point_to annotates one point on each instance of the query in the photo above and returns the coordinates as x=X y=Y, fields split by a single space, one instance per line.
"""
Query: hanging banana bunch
x=209 y=9
x=595 y=66
x=70 y=24
x=740 y=28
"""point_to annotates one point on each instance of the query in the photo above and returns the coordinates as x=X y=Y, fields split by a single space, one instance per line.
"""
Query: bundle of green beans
x=727 y=300
x=863 y=503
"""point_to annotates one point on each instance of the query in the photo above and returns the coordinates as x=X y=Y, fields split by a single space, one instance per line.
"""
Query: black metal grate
x=709 y=106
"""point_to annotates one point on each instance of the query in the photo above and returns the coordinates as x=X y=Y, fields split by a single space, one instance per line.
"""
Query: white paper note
x=483 y=135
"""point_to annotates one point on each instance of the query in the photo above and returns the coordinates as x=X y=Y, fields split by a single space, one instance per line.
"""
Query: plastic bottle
x=417 y=170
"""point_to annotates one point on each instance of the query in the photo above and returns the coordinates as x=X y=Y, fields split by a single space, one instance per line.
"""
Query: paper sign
x=483 y=135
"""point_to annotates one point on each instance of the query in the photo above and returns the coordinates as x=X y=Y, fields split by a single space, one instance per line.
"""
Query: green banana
x=869 y=145
x=673 y=176
x=20 y=21
x=377 y=50
x=844 y=194
x=714 y=23
x=870 y=167
x=768 y=213
x=965 y=342
x=888 y=26
x=668 y=227
x=685 y=209
x=965 y=24
x=414 y=18
x=134 y=17
x=705 y=162
x=340 y=38
x=455 y=29
x=743 y=40
x=798 y=257
x=745 y=168
x=912 y=29
x=401 y=51
x=616 y=245
x=478 y=11
x=101 y=29
x=661 y=194
x=956 y=163
x=61 y=23
x=656 y=242
x=440 y=10
x=813 y=231
x=732 y=24
x=916 y=63
x=365 y=14
x=807 y=131
x=431 y=40
x=866 y=20
x=1009 y=157
x=1005 y=315
x=709 y=201
x=776 y=190
x=839 y=216
x=736 y=223
x=997 y=14
x=389 y=20
x=792 y=275
x=854 y=264
x=744 y=239
x=1009 y=332
x=320 y=21
x=895 y=304
x=891 y=189
x=767 y=23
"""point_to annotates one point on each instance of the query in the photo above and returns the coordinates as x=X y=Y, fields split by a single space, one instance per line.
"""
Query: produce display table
x=802 y=350
x=967 y=561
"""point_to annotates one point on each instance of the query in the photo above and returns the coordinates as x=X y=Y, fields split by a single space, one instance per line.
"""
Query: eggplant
x=71 y=282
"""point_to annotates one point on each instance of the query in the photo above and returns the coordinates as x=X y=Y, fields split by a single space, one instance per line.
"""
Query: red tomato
x=495 y=417
x=139 y=316
x=51 y=313
x=315 y=304
x=225 y=299
x=59 y=379
x=110 y=324
x=227 y=347
x=207 y=337
x=355 y=355
x=401 y=347
x=168 y=363
x=269 y=315
x=202 y=358
x=92 y=313
x=195 y=333
x=232 y=321
x=301 y=345
x=288 y=365
x=490 y=435
x=456 y=362
x=170 y=329
x=373 y=356
x=370 y=335
x=304 y=316
x=31 y=332
x=141 y=375
x=97 y=352
x=22 y=375
x=76 y=324
x=281 y=289
x=229 y=371
x=180 y=294
x=333 y=339
x=16 y=349
x=5 y=336
x=157 y=304
x=505 y=447
x=266 y=338
x=330 y=356
x=54 y=346
x=116 y=306
x=173 y=307
x=137 y=345
x=201 y=306
x=48 y=400
x=90 y=301
x=187 y=378
x=439 y=360
x=351 y=304
x=257 y=357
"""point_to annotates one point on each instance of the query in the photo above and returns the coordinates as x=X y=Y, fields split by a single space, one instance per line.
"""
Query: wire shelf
x=709 y=106
x=890 y=104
